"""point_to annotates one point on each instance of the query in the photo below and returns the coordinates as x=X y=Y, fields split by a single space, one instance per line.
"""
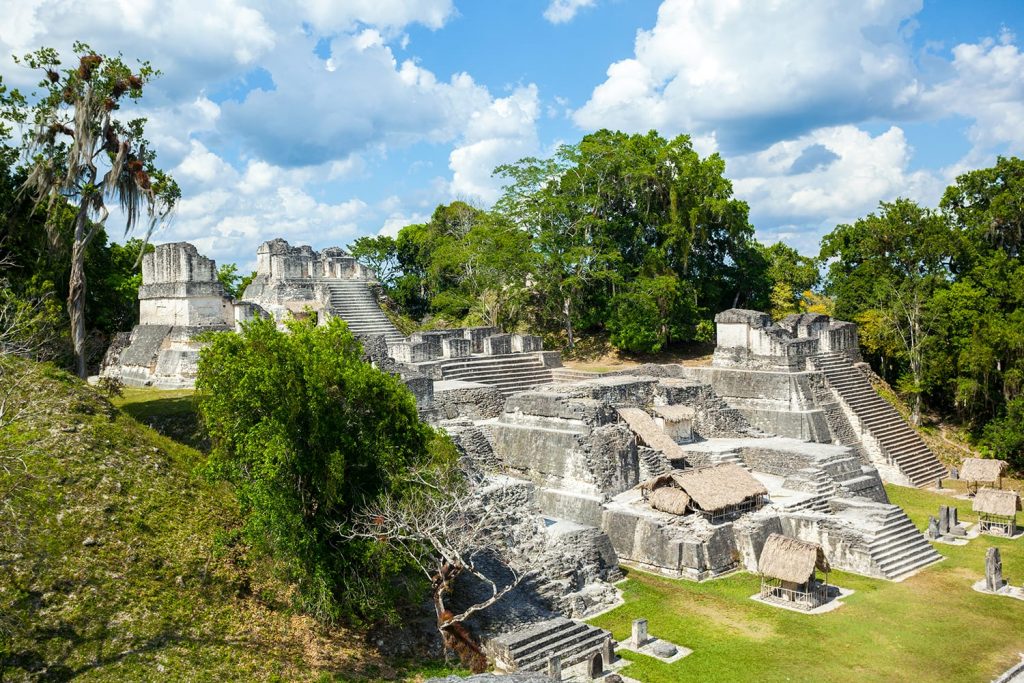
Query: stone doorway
x=596 y=665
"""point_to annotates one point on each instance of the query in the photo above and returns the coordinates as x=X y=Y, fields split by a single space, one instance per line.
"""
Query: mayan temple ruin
x=683 y=471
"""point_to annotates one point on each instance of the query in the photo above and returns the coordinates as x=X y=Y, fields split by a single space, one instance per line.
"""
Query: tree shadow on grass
x=176 y=417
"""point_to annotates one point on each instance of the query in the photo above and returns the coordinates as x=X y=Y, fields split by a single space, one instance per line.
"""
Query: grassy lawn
x=930 y=627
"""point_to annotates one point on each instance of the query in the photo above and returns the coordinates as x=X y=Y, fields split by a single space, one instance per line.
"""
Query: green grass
x=932 y=626
x=171 y=413
x=119 y=562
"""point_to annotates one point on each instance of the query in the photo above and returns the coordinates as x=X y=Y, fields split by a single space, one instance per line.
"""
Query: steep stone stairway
x=898 y=441
x=509 y=373
x=899 y=548
x=352 y=301
x=529 y=649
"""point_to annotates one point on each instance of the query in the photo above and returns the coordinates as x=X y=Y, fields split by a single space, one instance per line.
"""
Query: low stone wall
x=473 y=401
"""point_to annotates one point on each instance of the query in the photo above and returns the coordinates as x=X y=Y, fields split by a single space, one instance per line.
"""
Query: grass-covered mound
x=119 y=562
x=930 y=627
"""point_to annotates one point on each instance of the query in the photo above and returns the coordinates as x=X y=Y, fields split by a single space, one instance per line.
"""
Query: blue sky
x=324 y=120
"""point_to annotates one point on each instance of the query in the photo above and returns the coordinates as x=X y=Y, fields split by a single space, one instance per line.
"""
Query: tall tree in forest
x=78 y=153
x=617 y=208
x=889 y=265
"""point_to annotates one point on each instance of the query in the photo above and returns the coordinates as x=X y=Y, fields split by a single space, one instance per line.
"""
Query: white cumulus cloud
x=562 y=11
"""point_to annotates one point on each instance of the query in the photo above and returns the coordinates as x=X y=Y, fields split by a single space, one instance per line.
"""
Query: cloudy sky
x=324 y=120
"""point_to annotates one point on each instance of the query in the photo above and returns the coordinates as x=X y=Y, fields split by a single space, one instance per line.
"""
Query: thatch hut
x=982 y=470
x=788 y=568
x=715 y=492
x=997 y=511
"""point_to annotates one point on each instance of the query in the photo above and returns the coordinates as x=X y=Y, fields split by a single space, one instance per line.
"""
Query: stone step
x=479 y=361
x=498 y=374
x=571 y=650
x=545 y=639
x=910 y=563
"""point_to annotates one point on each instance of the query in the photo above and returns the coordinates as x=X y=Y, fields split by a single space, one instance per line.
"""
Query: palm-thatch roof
x=669 y=499
x=674 y=413
x=982 y=469
x=711 y=488
x=790 y=559
x=648 y=431
x=997 y=502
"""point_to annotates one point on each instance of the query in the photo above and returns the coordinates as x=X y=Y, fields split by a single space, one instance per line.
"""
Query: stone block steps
x=530 y=648
x=353 y=302
x=568 y=375
x=509 y=373
x=897 y=440
x=899 y=548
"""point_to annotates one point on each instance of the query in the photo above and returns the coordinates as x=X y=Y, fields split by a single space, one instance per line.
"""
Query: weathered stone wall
x=469 y=400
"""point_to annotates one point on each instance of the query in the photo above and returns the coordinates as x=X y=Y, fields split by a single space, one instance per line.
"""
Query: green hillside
x=119 y=562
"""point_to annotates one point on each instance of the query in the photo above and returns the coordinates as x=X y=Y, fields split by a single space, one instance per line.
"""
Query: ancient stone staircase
x=352 y=301
x=509 y=373
x=899 y=548
x=899 y=443
x=529 y=649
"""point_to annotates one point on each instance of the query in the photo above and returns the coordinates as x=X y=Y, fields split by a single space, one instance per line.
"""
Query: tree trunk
x=76 y=293
x=567 y=310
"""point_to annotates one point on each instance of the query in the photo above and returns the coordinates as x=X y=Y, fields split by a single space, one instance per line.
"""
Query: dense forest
x=638 y=240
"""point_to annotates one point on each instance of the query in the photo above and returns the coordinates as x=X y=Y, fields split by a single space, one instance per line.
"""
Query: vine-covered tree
x=79 y=152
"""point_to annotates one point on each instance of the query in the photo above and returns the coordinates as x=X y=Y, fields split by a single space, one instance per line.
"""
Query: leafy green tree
x=233 y=283
x=618 y=207
x=651 y=311
x=790 y=275
x=981 y=357
x=379 y=254
x=79 y=153
x=308 y=433
x=892 y=263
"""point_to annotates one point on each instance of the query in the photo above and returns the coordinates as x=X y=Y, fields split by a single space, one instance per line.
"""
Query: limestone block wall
x=177 y=262
x=685 y=547
x=278 y=260
x=749 y=339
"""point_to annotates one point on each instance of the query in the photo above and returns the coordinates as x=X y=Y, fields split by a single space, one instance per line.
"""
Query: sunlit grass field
x=930 y=627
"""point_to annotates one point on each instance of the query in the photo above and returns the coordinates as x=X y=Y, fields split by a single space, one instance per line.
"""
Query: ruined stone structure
x=803 y=378
x=180 y=298
x=468 y=370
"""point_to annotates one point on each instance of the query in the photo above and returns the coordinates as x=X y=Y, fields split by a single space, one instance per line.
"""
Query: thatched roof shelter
x=674 y=413
x=711 y=488
x=982 y=469
x=648 y=431
x=719 y=487
x=997 y=502
x=669 y=499
x=790 y=559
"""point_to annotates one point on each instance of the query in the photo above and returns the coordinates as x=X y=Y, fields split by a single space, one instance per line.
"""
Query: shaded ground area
x=932 y=626
x=171 y=413
x=596 y=354
x=119 y=562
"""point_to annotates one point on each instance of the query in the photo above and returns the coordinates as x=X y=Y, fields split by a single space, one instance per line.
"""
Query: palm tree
x=80 y=156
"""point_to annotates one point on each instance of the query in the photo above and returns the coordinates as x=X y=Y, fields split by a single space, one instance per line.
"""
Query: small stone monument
x=608 y=651
x=954 y=473
x=943 y=520
x=933 y=528
x=993 y=571
x=954 y=517
x=555 y=668
x=639 y=633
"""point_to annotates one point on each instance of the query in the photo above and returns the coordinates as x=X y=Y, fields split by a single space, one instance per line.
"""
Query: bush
x=307 y=432
x=652 y=311
x=1004 y=437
